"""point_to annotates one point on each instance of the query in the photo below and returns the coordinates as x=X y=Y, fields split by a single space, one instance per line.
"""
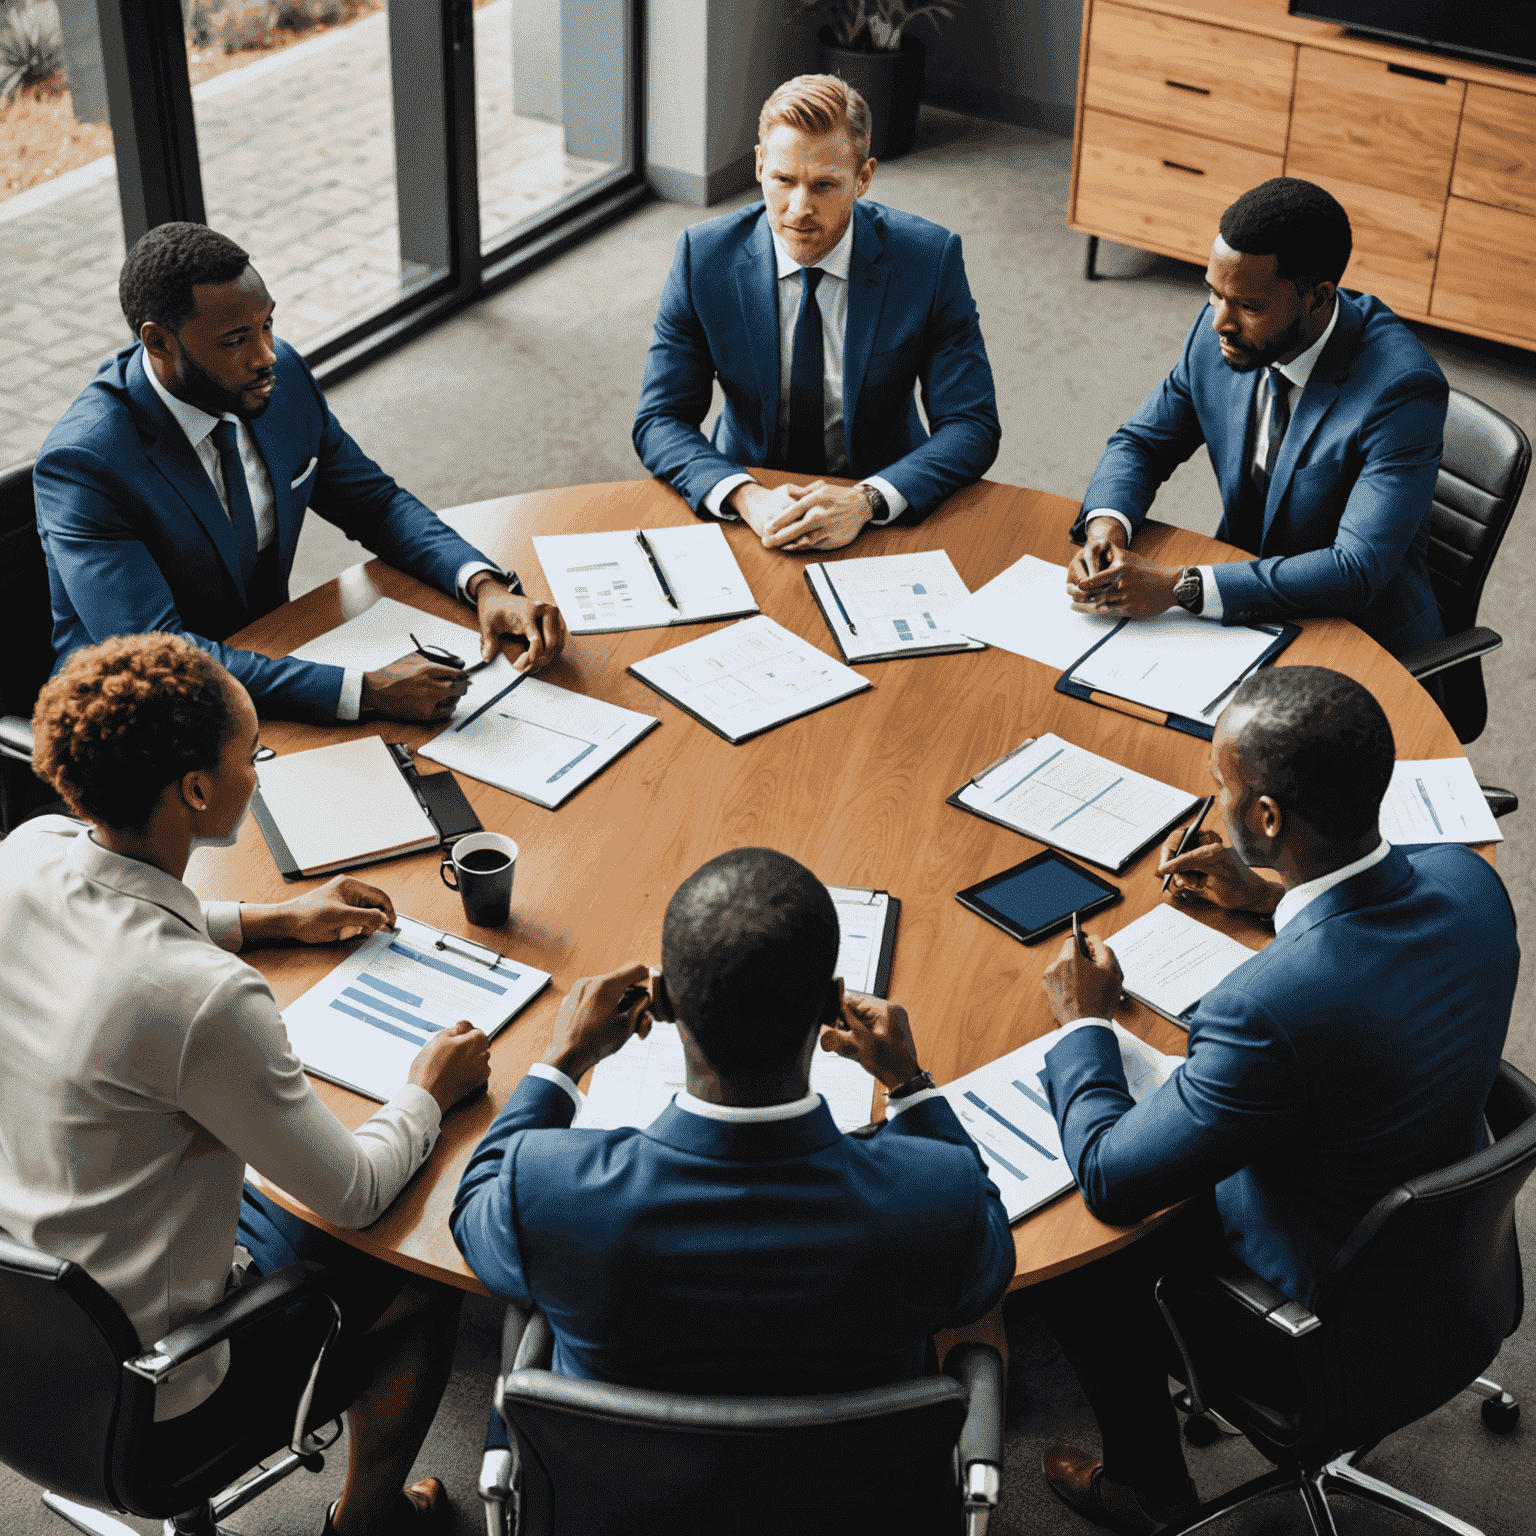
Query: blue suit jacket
x=137 y=540
x=698 y=1256
x=911 y=320
x=1346 y=521
x=1354 y=1052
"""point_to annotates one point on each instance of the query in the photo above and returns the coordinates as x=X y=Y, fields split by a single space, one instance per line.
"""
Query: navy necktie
x=242 y=516
x=807 y=388
x=1279 y=404
x=1272 y=402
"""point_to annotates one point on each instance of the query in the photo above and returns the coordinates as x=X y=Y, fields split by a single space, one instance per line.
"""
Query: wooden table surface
x=855 y=791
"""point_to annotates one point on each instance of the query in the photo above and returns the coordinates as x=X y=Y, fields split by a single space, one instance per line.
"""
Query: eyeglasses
x=446 y=658
x=264 y=754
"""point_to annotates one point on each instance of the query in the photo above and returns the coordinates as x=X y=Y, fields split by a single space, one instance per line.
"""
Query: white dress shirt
x=832 y=301
x=144 y=1067
x=1296 y=372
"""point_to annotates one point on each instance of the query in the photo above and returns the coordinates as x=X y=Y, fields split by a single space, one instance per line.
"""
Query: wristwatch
x=914 y=1084
x=509 y=579
x=878 y=505
x=1189 y=594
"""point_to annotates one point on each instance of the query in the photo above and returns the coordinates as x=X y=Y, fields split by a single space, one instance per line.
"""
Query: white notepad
x=889 y=606
x=1171 y=960
x=748 y=678
x=1437 y=801
x=1004 y=1107
x=603 y=582
x=362 y=1025
x=343 y=805
x=1025 y=609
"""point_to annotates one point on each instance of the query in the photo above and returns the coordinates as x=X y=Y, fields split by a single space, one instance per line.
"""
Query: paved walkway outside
x=299 y=167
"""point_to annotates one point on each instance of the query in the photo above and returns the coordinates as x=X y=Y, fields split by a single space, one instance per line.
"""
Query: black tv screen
x=1493 y=31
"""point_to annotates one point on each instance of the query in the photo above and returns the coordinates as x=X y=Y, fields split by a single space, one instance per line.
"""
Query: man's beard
x=1261 y=357
x=199 y=388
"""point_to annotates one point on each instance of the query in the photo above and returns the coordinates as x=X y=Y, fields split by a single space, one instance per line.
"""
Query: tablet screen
x=1041 y=894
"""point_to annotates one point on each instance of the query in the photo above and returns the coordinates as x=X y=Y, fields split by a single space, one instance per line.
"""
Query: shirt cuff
x=714 y=498
x=350 y=705
x=558 y=1078
x=222 y=920
x=895 y=502
x=894 y=1107
x=468 y=569
x=1212 y=608
x=1066 y=1029
x=1119 y=517
x=425 y=1116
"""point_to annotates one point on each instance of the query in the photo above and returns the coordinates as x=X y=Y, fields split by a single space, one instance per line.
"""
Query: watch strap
x=914 y=1084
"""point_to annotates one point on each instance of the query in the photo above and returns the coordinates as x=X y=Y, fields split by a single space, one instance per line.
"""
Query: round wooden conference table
x=855 y=791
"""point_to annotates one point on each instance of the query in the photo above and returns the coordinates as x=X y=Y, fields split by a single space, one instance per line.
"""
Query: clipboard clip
x=1028 y=741
x=441 y=943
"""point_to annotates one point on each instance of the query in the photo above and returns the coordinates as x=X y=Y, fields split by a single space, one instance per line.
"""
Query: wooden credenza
x=1181 y=107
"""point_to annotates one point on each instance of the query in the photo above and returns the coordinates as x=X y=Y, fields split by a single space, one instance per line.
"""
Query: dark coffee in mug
x=485 y=861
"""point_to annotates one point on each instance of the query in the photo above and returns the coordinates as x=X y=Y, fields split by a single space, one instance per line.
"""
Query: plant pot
x=891 y=81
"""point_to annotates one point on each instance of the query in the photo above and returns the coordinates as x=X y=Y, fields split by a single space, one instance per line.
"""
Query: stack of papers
x=1171 y=960
x=1439 y=801
x=890 y=606
x=1026 y=610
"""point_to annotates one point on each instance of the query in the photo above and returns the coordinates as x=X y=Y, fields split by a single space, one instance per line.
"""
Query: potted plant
x=866 y=42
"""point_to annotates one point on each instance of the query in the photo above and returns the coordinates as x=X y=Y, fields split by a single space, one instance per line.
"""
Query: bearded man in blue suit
x=818 y=313
x=171 y=494
x=1323 y=416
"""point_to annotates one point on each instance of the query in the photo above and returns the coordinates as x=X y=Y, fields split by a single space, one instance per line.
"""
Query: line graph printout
x=748 y=677
x=898 y=603
x=1005 y=1110
x=1077 y=801
x=1437 y=801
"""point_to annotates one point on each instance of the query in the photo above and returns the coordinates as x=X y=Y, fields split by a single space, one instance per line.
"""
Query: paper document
x=540 y=742
x=1171 y=960
x=1438 y=801
x=604 y=582
x=382 y=634
x=1026 y=610
x=748 y=678
x=1004 y=1107
x=861 y=919
x=1175 y=662
x=889 y=606
x=362 y=1025
x=1077 y=801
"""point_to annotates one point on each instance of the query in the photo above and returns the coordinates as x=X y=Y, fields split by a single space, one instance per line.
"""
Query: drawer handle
x=1189 y=170
x=1416 y=74
x=1194 y=90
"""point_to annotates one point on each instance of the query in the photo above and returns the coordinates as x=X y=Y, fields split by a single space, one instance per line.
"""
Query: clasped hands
x=797 y=517
x=1107 y=577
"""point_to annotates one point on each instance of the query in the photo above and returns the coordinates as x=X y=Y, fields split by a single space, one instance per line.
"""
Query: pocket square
x=303 y=475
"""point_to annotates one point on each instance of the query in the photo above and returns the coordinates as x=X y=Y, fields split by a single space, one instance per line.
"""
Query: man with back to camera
x=748 y=1246
x=1323 y=417
x=817 y=312
x=170 y=497
x=1393 y=966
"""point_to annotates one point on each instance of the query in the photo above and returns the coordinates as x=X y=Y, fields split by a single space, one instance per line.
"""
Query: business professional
x=1322 y=415
x=146 y=1066
x=1354 y=1052
x=741 y=1243
x=817 y=312
x=171 y=494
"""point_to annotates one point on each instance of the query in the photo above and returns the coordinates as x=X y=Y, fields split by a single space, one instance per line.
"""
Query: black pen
x=1192 y=831
x=522 y=677
x=1079 y=940
x=826 y=576
x=650 y=554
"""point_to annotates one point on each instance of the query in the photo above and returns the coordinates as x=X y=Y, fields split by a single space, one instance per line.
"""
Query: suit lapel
x=1241 y=388
x=757 y=288
x=869 y=275
x=270 y=440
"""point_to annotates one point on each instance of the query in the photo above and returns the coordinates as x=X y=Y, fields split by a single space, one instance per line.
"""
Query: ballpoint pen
x=1079 y=940
x=826 y=576
x=650 y=554
x=1192 y=831
x=522 y=677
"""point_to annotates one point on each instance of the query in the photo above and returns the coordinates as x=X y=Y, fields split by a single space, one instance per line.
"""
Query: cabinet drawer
x=1159 y=188
x=1496 y=156
x=1357 y=121
x=1487 y=272
x=1208 y=80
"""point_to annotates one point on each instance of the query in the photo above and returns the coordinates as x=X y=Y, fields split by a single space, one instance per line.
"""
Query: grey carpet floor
x=536 y=387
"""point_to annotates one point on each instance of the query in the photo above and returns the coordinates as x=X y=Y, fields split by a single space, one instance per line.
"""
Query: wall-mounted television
x=1491 y=31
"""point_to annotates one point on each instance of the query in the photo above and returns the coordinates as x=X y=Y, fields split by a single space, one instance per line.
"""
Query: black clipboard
x=882 y=983
x=851 y=661
x=1284 y=634
x=439 y=795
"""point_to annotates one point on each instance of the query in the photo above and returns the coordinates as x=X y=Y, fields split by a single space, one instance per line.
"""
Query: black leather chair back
x=600 y=1460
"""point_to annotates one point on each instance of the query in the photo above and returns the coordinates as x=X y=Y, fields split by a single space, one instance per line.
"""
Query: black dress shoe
x=423 y=1510
x=1078 y=1480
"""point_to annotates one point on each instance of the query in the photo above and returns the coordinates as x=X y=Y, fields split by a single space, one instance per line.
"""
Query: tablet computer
x=1039 y=896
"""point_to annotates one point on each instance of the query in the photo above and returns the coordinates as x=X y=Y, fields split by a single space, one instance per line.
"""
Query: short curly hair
x=161 y=270
x=1303 y=227
x=123 y=719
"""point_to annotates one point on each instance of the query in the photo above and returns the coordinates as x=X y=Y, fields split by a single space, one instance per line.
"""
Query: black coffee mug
x=482 y=866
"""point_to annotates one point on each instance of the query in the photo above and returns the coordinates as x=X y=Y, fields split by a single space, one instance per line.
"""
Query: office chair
x=77 y=1395
x=28 y=618
x=1416 y=1303
x=598 y=1460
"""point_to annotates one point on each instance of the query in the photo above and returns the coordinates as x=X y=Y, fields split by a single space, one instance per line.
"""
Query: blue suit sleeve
x=1239 y=1096
x=116 y=587
x=959 y=399
x=676 y=391
x=484 y=1218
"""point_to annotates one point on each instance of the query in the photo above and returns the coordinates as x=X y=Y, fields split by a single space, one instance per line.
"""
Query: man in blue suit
x=818 y=313
x=171 y=494
x=741 y=1243
x=1354 y=1052
x=1322 y=415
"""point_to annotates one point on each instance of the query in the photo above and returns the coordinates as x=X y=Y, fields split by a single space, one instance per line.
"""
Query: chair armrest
x=979 y=1369
x=16 y=738
x=1452 y=651
x=527 y=1341
x=1264 y=1301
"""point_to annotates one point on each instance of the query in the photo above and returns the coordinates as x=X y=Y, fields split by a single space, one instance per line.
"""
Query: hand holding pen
x=1191 y=835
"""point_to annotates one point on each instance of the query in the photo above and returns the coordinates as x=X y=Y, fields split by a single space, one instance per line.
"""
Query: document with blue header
x=362 y=1025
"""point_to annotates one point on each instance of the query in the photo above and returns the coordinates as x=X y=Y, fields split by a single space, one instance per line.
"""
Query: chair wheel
x=1500 y=1414
x=1199 y=1430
